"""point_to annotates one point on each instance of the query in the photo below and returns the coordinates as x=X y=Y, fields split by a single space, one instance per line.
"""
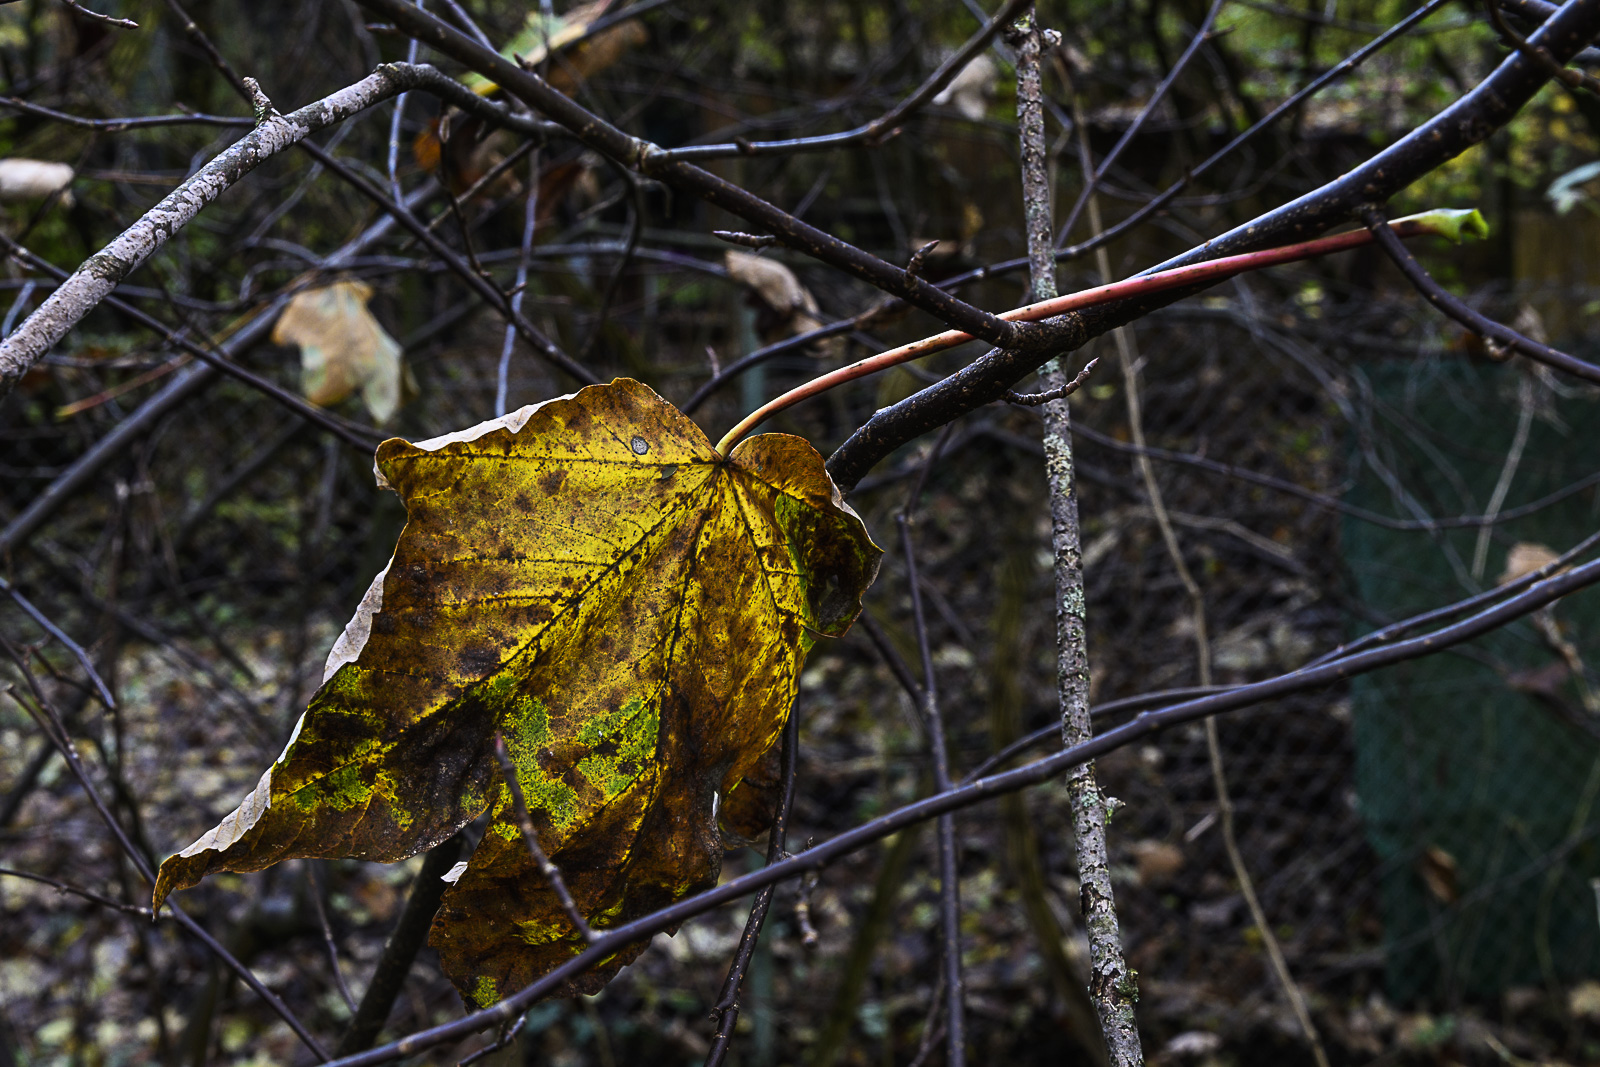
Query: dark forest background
x=1421 y=840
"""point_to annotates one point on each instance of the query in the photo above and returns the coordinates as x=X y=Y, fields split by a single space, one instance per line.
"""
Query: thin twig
x=117 y=125
x=467 y=23
x=932 y=1026
x=1452 y=306
x=530 y=837
x=1508 y=471
x=1572 y=79
x=60 y=635
x=314 y=890
x=43 y=712
x=530 y=222
x=127 y=24
x=1112 y=986
x=511 y=160
x=1060 y=392
x=1140 y=727
x=395 y=189
x=747 y=240
x=635 y=191
x=726 y=1009
x=508 y=1034
x=949 y=881
x=879 y=129
x=1094 y=175
x=86 y=894
x=1397 y=630
x=892 y=658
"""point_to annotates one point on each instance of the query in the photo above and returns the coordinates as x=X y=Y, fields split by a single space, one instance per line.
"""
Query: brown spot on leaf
x=469 y=642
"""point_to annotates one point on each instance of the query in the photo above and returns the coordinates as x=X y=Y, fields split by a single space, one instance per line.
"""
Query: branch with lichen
x=1111 y=983
x=102 y=272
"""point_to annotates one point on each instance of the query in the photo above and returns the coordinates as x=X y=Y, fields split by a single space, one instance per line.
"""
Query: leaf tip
x=1453 y=224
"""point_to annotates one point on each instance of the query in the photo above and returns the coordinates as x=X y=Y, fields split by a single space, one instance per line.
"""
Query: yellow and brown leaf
x=629 y=609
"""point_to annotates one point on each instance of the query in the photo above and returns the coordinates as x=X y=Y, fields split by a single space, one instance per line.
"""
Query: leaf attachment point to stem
x=588 y=580
x=1450 y=223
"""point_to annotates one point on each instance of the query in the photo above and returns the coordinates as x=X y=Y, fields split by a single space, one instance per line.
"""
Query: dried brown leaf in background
x=1526 y=557
x=342 y=348
x=787 y=306
x=33 y=179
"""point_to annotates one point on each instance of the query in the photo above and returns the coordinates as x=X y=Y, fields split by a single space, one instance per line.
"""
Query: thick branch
x=100 y=273
x=1458 y=127
x=400 y=951
x=650 y=160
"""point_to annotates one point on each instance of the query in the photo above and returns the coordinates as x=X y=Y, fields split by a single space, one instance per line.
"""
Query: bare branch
x=879 y=129
x=1113 y=985
x=1468 y=121
x=1142 y=726
x=99 y=275
x=1479 y=324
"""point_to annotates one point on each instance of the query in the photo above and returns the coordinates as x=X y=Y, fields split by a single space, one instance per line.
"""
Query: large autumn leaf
x=588 y=577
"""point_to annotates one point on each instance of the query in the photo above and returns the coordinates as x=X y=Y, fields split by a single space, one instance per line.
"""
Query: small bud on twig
x=1035 y=399
x=919 y=257
x=259 y=101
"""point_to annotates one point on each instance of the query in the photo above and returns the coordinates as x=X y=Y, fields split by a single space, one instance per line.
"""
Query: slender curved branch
x=1141 y=726
x=647 y=159
x=100 y=273
x=726 y=1009
x=61 y=635
x=87 y=894
x=1452 y=131
x=879 y=129
x=1092 y=181
x=138 y=122
x=1452 y=306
